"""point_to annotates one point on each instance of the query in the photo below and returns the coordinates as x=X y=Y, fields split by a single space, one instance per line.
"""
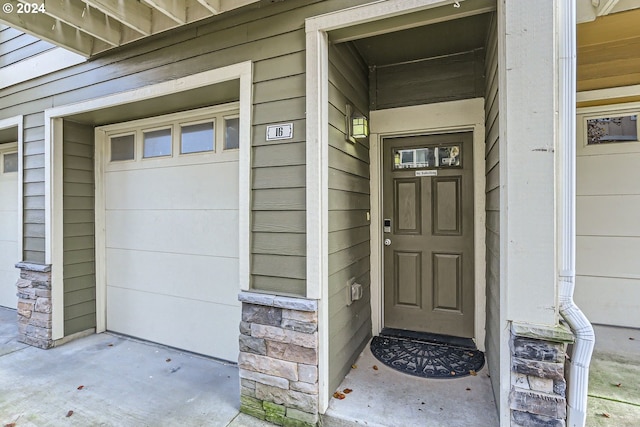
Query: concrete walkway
x=110 y=380
x=614 y=379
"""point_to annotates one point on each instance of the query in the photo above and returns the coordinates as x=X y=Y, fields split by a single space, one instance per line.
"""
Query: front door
x=428 y=233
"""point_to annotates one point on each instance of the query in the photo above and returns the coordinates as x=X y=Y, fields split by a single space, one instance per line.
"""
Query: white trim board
x=18 y=122
x=446 y=117
x=317 y=125
x=609 y=93
x=53 y=169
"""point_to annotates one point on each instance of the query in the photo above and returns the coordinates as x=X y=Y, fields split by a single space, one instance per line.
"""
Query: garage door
x=9 y=253
x=171 y=222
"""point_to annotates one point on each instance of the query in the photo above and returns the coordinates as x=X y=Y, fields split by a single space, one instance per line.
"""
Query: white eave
x=88 y=27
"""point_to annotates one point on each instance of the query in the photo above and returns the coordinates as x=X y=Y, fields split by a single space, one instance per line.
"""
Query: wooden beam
x=78 y=15
x=49 y=29
x=174 y=9
x=213 y=5
x=133 y=14
x=605 y=7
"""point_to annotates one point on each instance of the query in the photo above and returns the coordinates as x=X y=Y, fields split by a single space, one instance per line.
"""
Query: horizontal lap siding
x=492 y=152
x=34 y=222
x=78 y=229
x=349 y=202
x=16 y=46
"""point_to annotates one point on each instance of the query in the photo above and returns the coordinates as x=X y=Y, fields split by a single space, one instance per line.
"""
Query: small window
x=157 y=143
x=606 y=130
x=427 y=157
x=231 y=133
x=197 y=138
x=122 y=148
x=10 y=163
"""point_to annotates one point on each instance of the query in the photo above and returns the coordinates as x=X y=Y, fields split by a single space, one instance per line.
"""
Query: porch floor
x=388 y=398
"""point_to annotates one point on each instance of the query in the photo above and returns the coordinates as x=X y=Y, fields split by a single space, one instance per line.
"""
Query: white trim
x=609 y=93
x=317 y=147
x=53 y=170
x=446 y=117
x=39 y=65
x=18 y=121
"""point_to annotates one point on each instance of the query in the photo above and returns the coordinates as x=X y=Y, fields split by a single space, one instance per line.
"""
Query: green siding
x=78 y=228
x=349 y=202
x=16 y=46
x=269 y=34
x=492 y=150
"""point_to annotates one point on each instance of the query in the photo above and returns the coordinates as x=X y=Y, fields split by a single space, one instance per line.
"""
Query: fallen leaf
x=80 y=387
x=338 y=395
x=10 y=425
x=347 y=391
x=375 y=367
x=632 y=339
x=354 y=366
x=110 y=345
x=168 y=360
x=468 y=389
x=453 y=373
x=472 y=372
x=422 y=403
x=69 y=414
x=619 y=385
x=604 y=414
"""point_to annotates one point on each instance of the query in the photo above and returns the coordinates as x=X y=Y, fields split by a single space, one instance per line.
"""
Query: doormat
x=426 y=359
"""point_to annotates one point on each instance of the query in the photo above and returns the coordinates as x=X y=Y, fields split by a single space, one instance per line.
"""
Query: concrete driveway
x=110 y=380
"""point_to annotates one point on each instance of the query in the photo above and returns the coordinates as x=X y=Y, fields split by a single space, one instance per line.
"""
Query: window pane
x=157 y=143
x=427 y=157
x=10 y=163
x=231 y=133
x=612 y=129
x=122 y=148
x=197 y=138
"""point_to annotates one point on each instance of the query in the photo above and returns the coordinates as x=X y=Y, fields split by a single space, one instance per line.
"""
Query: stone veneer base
x=34 y=305
x=278 y=360
x=537 y=397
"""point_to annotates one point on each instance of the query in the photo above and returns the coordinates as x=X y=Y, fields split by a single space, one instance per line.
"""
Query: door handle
x=387 y=242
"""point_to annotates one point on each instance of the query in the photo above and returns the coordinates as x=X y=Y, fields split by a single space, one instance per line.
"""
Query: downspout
x=578 y=379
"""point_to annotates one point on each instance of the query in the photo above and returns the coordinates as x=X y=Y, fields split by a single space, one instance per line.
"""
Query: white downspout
x=578 y=379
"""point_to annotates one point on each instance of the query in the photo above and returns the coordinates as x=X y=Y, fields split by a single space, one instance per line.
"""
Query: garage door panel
x=205 y=186
x=172 y=321
x=608 y=300
x=8 y=224
x=8 y=189
x=608 y=215
x=9 y=253
x=213 y=233
x=609 y=174
x=212 y=279
x=607 y=256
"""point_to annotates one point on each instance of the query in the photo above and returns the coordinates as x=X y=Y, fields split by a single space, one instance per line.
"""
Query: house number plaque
x=280 y=131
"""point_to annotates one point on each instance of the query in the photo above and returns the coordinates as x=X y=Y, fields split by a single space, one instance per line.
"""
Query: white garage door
x=9 y=253
x=171 y=220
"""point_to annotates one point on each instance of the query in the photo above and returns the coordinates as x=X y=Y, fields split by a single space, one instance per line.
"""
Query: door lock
x=387 y=242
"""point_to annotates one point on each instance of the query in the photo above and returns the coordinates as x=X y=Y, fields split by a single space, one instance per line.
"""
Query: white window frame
x=156 y=129
x=605 y=111
x=118 y=135
x=224 y=133
x=178 y=138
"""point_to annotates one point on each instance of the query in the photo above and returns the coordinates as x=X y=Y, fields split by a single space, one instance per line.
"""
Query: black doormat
x=427 y=359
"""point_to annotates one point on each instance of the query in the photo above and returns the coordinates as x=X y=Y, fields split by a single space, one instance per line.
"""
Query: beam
x=604 y=7
x=78 y=15
x=213 y=5
x=133 y=14
x=174 y=9
x=49 y=29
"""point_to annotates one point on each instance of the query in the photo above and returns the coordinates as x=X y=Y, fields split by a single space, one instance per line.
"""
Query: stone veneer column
x=34 y=305
x=538 y=385
x=278 y=359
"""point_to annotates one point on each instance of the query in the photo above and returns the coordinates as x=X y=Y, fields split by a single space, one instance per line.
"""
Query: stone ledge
x=538 y=403
x=559 y=333
x=292 y=303
x=39 y=268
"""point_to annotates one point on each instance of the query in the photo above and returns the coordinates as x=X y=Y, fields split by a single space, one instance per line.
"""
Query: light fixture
x=357 y=125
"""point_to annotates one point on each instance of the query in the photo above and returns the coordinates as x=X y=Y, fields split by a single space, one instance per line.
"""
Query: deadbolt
x=387 y=242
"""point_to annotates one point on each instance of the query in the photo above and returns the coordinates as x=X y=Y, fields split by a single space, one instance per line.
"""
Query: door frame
x=446 y=117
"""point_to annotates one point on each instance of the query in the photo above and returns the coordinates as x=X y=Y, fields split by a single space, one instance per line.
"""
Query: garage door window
x=157 y=143
x=231 y=133
x=197 y=138
x=606 y=130
x=10 y=163
x=122 y=148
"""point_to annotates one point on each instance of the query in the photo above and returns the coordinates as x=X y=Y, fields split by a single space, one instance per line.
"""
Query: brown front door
x=428 y=233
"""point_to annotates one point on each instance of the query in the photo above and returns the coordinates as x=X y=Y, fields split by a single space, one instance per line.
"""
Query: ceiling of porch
x=88 y=27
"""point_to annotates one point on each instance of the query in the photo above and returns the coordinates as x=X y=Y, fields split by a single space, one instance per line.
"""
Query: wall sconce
x=357 y=125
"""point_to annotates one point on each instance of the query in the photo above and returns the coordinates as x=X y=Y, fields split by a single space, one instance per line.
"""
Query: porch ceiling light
x=357 y=125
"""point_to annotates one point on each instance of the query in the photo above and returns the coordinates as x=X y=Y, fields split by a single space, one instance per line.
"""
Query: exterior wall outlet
x=354 y=291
